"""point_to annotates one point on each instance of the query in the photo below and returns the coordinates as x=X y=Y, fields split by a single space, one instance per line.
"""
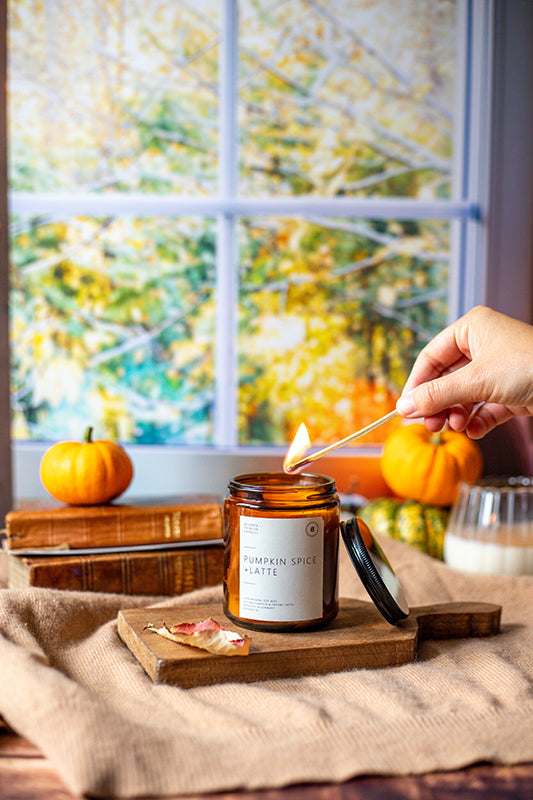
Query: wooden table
x=26 y=775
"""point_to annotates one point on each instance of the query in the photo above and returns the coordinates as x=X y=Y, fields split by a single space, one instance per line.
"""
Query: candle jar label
x=281 y=568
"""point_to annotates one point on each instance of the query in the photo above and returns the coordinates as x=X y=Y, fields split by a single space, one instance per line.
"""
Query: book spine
x=161 y=573
x=114 y=526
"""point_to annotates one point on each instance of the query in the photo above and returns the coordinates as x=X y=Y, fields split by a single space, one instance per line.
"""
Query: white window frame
x=494 y=191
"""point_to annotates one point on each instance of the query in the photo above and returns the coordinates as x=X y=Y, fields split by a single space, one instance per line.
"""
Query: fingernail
x=406 y=404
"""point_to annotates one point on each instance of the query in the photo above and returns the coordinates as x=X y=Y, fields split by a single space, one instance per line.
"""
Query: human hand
x=484 y=358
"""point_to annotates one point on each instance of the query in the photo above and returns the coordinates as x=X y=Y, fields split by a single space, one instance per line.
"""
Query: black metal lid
x=374 y=570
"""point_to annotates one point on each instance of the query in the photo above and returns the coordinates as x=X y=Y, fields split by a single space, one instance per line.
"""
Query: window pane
x=348 y=97
x=113 y=94
x=333 y=313
x=112 y=324
x=113 y=317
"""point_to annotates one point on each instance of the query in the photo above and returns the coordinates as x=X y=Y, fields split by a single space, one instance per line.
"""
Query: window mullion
x=460 y=157
x=226 y=380
x=475 y=143
x=75 y=203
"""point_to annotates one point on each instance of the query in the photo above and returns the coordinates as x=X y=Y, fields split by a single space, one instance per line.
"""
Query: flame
x=300 y=444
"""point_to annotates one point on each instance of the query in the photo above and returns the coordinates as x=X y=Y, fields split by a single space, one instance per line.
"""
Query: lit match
x=293 y=461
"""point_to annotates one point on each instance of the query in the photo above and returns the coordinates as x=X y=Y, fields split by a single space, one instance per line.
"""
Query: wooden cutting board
x=358 y=637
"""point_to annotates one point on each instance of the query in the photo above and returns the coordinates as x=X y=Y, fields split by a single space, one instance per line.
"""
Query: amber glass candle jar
x=281 y=536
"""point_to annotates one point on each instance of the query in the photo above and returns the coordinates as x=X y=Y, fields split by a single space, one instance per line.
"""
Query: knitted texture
x=71 y=687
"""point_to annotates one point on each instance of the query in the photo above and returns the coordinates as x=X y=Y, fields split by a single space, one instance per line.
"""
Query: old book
x=158 y=572
x=50 y=524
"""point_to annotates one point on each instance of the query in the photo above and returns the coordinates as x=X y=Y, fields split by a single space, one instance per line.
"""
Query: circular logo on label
x=311 y=528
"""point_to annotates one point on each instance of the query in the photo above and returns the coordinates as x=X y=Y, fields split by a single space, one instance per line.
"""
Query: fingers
x=486 y=418
x=436 y=422
x=444 y=354
x=476 y=422
x=482 y=357
x=455 y=391
x=459 y=416
x=456 y=418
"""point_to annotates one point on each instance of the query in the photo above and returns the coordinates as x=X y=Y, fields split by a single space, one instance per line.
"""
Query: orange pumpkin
x=86 y=473
x=428 y=467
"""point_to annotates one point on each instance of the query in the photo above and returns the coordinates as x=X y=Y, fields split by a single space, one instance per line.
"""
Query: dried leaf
x=207 y=635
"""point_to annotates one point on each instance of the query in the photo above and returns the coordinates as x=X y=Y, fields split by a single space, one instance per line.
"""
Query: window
x=229 y=217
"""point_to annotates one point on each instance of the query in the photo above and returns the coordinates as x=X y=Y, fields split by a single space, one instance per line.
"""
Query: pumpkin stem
x=436 y=438
x=88 y=435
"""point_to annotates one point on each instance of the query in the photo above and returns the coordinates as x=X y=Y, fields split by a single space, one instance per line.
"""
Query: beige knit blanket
x=69 y=685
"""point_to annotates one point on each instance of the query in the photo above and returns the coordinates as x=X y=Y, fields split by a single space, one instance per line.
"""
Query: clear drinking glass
x=490 y=528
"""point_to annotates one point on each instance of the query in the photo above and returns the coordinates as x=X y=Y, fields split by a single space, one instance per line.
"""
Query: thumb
x=456 y=388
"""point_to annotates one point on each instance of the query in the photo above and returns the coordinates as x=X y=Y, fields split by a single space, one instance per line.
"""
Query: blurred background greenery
x=113 y=316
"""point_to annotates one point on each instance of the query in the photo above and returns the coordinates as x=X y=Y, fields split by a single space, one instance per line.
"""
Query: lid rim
x=369 y=574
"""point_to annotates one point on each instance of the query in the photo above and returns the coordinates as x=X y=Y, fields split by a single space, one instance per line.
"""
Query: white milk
x=488 y=557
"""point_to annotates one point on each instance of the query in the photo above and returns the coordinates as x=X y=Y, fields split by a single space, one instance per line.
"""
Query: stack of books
x=152 y=547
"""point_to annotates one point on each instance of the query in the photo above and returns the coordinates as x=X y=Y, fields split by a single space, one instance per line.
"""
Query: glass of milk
x=490 y=528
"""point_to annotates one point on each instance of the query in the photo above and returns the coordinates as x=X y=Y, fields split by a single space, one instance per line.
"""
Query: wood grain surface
x=358 y=638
